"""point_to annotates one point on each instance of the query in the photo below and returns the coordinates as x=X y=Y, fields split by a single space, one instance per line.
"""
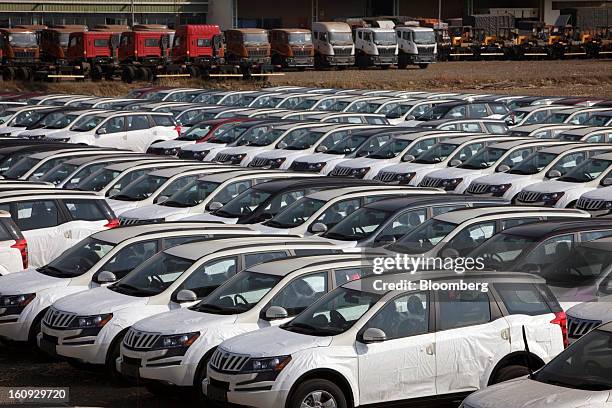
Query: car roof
x=172 y=171
x=117 y=235
x=531 y=108
x=583 y=131
x=82 y=160
x=230 y=174
x=562 y=148
x=514 y=143
x=285 y=266
x=197 y=250
x=50 y=153
x=399 y=203
x=603 y=156
x=38 y=193
x=553 y=227
x=327 y=195
x=279 y=185
x=607 y=327
x=538 y=126
x=460 y=216
x=126 y=165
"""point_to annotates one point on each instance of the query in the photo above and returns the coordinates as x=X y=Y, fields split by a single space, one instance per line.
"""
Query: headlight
x=171 y=152
x=276 y=163
x=316 y=166
x=608 y=205
x=86 y=322
x=552 y=197
x=405 y=178
x=176 y=341
x=360 y=173
x=17 y=300
x=450 y=184
x=237 y=158
x=500 y=189
x=200 y=155
x=258 y=365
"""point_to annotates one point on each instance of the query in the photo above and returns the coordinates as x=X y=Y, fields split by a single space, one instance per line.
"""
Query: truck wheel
x=128 y=74
x=423 y=66
x=109 y=74
x=402 y=62
x=23 y=73
x=318 y=393
x=509 y=373
x=96 y=73
x=8 y=74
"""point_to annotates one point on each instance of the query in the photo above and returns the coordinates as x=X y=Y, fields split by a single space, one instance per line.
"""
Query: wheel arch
x=200 y=365
x=515 y=358
x=326 y=374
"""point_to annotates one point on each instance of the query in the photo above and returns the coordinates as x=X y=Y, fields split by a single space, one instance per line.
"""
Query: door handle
x=68 y=234
x=505 y=334
x=431 y=349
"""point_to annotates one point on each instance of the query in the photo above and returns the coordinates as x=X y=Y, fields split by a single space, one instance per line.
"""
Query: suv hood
x=360 y=162
x=244 y=149
x=12 y=130
x=600 y=310
x=153 y=211
x=409 y=167
x=98 y=301
x=320 y=157
x=29 y=281
x=554 y=186
x=182 y=321
x=41 y=131
x=273 y=341
x=525 y=393
x=119 y=207
x=604 y=193
x=198 y=147
x=502 y=178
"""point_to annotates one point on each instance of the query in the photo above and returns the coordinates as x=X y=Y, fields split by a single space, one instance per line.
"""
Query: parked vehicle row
x=239 y=266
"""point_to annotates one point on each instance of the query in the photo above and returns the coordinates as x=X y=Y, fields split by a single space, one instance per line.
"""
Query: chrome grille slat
x=579 y=327
x=139 y=340
x=222 y=157
x=478 y=188
x=341 y=171
x=430 y=182
x=57 y=319
x=590 y=204
x=229 y=362
x=386 y=176
x=259 y=162
x=343 y=51
x=528 y=196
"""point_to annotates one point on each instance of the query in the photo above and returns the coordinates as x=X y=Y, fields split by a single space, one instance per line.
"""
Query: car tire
x=113 y=353
x=316 y=393
x=509 y=373
x=197 y=395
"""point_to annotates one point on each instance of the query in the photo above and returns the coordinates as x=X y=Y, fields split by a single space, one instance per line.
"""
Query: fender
x=347 y=386
x=518 y=358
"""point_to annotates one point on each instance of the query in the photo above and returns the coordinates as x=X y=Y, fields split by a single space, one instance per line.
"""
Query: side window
x=456 y=112
x=338 y=212
x=174 y=241
x=352 y=119
x=522 y=298
x=478 y=110
x=137 y=122
x=114 y=125
x=373 y=120
x=420 y=109
x=300 y=293
x=232 y=190
x=472 y=236
x=551 y=250
x=84 y=210
x=593 y=235
x=446 y=208
x=162 y=120
x=499 y=109
x=345 y=275
x=517 y=156
x=252 y=259
x=402 y=224
x=309 y=252
x=210 y=275
x=519 y=221
x=204 y=42
x=453 y=126
x=596 y=138
x=462 y=308
x=36 y=214
x=496 y=128
x=404 y=316
x=470 y=127
x=130 y=257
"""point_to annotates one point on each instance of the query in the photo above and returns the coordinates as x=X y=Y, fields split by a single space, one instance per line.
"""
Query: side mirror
x=101 y=131
x=186 y=295
x=410 y=117
x=318 y=228
x=282 y=145
x=408 y=158
x=113 y=192
x=374 y=335
x=606 y=287
x=553 y=174
x=386 y=239
x=606 y=182
x=106 y=277
x=214 y=206
x=455 y=163
x=450 y=253
x=161 y=199
x=276 y=312
x=502 y=168
x=321 y=149
x=531 y=268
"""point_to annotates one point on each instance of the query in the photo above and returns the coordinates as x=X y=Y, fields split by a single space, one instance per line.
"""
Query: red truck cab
x=54 y=41
x=198 y=43
x=91 y=45
x=145 y=46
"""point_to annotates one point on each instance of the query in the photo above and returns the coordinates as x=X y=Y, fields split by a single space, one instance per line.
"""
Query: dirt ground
x=563 y=78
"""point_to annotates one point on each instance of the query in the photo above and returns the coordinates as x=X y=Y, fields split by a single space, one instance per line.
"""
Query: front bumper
x=14 y=329
x=387 y=60
x=152 y=365
x=69 y=343
x=221 y=388
x=300 y=61
x=334 y=60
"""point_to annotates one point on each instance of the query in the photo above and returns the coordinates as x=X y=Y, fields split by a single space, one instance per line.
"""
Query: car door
x=138 y=136
x=111 y=133
x=10 y=256
x=39 y=222
x=470 y=333
x=400 y=225
x=83 y=218
x=404 y=365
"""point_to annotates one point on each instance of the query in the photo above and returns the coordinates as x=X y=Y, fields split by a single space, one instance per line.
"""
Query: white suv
x=263 y=295
x=13 y=246
x=90 y=326
x=125 y=130
x=77 y=269
x=340 y=351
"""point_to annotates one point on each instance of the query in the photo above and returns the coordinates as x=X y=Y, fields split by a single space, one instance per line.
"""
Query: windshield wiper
x=51 y=270
x=302 y=326
x=123 y=197
x=172 y=203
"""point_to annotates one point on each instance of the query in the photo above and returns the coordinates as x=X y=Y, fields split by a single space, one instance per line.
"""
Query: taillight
x=561 y=320
x=178 y=129
x=114 y=223
x=22 y=246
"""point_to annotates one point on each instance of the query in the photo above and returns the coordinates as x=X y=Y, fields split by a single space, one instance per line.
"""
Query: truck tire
x=423 y=66
x=23 y=73
x=402 y=61
x=8 y=74
x=96 y=73
x=317 y=393
x=128 y=74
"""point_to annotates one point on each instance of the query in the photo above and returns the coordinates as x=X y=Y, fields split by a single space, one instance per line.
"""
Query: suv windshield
x=334 y=313
x=345 y=145
x=255 y=38
x=581 y=267
x=243 y=204
x=423 y=237
x=23 y=40
x=435 y=113
x=192 y=194
x=46 y=119
x=358 y=225
x=436 y=154
x=153 y=276
x=587 y=171
x=27 y=118
x=20 y=168
x=196 y=132
x=62 y=121
x=484 y=159
x=533 y=164
x=390 y=149
x=582 y=366
x=228 y=133
x=77 y=260
x=86 y=123
x=296 y=214
x=501 y=251
x=140 y=188
x=300 y=139
x=261 y=136
x=59 y=173
x=396 y=111
x=240 y=294
x=98 y=180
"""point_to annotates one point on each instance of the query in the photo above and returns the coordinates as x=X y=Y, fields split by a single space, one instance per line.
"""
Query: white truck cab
x=375 y=47
x=416 y=46
x=333 y=44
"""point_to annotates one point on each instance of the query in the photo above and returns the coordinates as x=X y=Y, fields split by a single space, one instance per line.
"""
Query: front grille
x=478 y=188
x=223 y=360
x=139 y=340
x=430 y=182
x=589 y=204
x=25 y=54
x=386 y=51
x=222 y=157
x=57 y=319
x=427 y=50
x=123 y=221
x=341 y=171
x=302 y=53
x=386 y=176
x=577 y=328
x=259 y=53
x=528 y=196
x=343 y=51
x=259 y=162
